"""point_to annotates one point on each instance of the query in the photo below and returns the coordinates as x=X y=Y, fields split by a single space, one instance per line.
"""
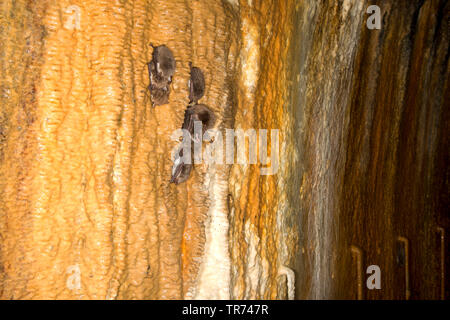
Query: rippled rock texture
x=87 y=210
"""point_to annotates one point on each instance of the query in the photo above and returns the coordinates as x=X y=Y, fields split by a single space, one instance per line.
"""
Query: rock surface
x=86 y=207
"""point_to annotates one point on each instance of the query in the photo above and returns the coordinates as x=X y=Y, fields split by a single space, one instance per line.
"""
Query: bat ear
x=190 y=64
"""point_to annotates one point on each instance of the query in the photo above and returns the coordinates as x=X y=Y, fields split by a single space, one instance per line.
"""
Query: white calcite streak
x=250 y=54
x=214 y=274
x=257 y=273
x=330 y=125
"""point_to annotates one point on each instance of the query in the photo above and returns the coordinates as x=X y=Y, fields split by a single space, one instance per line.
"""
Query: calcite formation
x=87 y=210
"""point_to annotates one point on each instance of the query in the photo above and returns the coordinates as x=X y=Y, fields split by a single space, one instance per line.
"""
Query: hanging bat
x=196 y=84
x=198 y=112
x=160 y=70
x=180 y=170
x=164 y=63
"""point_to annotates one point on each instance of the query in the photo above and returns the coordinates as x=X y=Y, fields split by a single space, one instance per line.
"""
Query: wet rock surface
x=85 y=161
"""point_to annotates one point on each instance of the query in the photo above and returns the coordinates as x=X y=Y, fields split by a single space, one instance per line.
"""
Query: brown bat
x=198 y=112
x=164 y=62
x=155 y=80
x=196 y=84
x=180 y=170
x=160 y=96
x=160 y=70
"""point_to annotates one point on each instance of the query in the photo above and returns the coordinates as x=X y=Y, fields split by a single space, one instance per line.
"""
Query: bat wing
x=176 y=173
x=188 y=123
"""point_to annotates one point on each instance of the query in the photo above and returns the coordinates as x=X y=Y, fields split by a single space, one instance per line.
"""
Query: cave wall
x=85 y=160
